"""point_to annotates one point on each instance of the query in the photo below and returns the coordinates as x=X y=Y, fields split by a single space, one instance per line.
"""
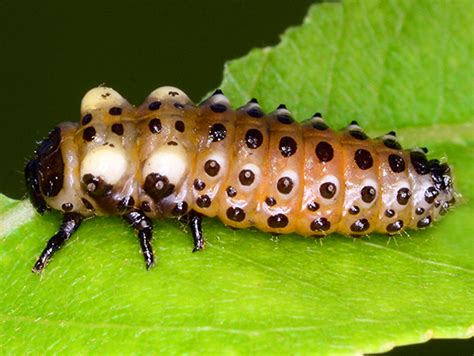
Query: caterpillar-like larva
x=170 y=158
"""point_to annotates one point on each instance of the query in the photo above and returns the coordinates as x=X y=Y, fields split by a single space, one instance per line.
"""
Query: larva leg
x=194 y=221
x=140 y=222
x=70 y=223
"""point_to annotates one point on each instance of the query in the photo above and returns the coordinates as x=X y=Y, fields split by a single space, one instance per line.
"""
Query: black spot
x=389 y=213
x=235 y=214
x=179 y=125
x=313 y=206
x=158 y=186
x=270 y=201
x=199 y=184
x=327 y=190
x=255 y=112
x=397 y=163
x=419 y=211
x=368 y=194
x=277 y=221
x=154 y=105
x=203 y=201
x=419 y=162
x=86 y=119
x=320 y=125
x=324 y=151
x=354 y=210
x=217 y=132
x=146 y=207
x=246 y=177
x=430 y=195
x=115 y=111
x=285 y=185
x=395 y=226
x=87 y=204
x=253 y=138
x=218 y=108
x=287 y=146
x=95 y=186
x=155 y=126
x=89 y=133
x=392 y=143
x=320 y=224
x=360 y=225
x=363 y=159
x=426 y=221
x=172 y=143
x=67 y=206
x=437 y=204
x=212 y=167
x=231 y=192
x=178 y=106
x=117 y=129
x=180 y=209
x=403 y=195
x=285 y=119
x=358 y=134
x=126 y=203
x=173 y=93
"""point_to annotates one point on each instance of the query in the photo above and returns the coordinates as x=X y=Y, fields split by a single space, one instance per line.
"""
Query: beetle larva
x=169 y=158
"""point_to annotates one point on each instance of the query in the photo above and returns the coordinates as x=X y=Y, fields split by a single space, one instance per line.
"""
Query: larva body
x=169 y=158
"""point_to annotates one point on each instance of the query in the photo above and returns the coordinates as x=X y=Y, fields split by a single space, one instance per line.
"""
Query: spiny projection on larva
x=171 y=158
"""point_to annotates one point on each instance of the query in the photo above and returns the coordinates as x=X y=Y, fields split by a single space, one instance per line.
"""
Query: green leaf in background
x=404 y=65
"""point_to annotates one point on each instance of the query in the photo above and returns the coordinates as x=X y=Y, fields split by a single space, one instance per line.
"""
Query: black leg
x=70 y=223
x=140 y=222
x=194 y=221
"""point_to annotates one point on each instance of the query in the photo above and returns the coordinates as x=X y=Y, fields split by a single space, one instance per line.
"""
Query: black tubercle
x=95 y=186
x=158 y=186
x=217 y=92
x=441 y=175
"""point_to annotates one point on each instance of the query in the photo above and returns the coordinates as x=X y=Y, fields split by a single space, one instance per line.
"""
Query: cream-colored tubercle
x=103 y=98
x=169 y=161
x=106 y=162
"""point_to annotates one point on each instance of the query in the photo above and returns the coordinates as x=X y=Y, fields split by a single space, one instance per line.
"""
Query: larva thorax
x=168 y=157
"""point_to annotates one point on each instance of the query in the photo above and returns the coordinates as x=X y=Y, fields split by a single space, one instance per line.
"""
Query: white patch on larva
x=168 y=161
x=256 y=171
x=330 y=179
x=106 y=162
x=219 y=99
x=102 y=98
x=168 y=93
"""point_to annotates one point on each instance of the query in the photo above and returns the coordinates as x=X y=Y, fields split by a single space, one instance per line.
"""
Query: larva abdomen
x=169 y=158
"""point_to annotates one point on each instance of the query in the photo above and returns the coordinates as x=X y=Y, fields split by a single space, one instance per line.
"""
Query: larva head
x=443 y=182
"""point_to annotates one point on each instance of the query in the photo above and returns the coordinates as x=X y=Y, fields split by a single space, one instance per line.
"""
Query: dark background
x=52 y=52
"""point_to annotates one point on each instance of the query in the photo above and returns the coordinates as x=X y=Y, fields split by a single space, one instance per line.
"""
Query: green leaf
x=404 y=65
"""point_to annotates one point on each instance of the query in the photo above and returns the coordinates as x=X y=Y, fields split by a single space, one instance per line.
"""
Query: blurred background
x=53 y=51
